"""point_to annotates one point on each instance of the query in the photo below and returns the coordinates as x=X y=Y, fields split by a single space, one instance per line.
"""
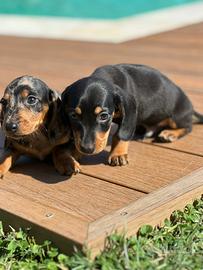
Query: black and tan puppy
x=131 y=96
x=31 y=123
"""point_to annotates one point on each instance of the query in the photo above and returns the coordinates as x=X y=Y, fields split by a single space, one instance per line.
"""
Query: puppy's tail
x=197 y=118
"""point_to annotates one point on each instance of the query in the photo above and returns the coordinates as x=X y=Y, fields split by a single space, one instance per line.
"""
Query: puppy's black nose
x=87 y=148
x=11 y=127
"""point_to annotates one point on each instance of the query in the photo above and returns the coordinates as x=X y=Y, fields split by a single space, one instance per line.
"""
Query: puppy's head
x=24 y=106
x=89 y=106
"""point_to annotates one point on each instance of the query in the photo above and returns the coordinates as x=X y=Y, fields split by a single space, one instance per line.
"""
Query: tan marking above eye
x=78 y=110
x=98 y=110
x=24 y=93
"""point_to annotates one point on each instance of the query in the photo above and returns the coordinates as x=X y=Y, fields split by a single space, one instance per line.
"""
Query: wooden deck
x=159 y=178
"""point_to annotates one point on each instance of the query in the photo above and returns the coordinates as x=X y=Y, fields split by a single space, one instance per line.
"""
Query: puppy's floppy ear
x=67 y=93
x=126 y=105
x=53 y=96
x=64 y=95
x=54 y=102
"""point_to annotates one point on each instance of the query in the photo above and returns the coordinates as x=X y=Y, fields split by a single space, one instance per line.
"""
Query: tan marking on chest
x=101 y=140
x=39 y=145
x=36 y=147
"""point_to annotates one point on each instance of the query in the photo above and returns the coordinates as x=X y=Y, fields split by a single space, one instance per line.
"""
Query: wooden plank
x=151 y=209
x=99 y=55
x=141 y=46
x=73 y=58
x=19 y=212
x=186 y=81
x=40 y=198
x=76 y=67
x=175 y=37
x=177 y=40
x=149 y=167
x=196 y=98
x=42 y=233
x=38 y=182
x=188 y=29
x=55 y=50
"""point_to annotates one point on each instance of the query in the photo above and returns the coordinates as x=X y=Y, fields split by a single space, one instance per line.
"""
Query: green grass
x=176 y=245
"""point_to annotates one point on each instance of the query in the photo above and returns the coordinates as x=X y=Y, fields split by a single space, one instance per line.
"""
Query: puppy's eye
x=103 y=116
x=32 y=100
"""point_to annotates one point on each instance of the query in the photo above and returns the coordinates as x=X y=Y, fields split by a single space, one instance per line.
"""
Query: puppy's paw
x=5 y=166
x=3 y=170
x=67 y=166
x=115 y=160
x=167 y=136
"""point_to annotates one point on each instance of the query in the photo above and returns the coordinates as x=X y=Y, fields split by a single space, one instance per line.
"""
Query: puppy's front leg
x=65 y=159
x=7 y=159
x=119 y=152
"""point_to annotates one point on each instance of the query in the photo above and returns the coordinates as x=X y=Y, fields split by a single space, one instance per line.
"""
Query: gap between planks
x=172 y=149
x=118 y=184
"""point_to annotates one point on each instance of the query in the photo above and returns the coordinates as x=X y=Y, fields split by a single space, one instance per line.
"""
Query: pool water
x=97 y=9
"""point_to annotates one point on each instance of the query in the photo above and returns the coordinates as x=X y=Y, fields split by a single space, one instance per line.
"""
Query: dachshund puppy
x=31 y=122
x=131 y=96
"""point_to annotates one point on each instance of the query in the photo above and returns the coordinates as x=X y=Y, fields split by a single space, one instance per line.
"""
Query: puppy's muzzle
x=87 y=148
